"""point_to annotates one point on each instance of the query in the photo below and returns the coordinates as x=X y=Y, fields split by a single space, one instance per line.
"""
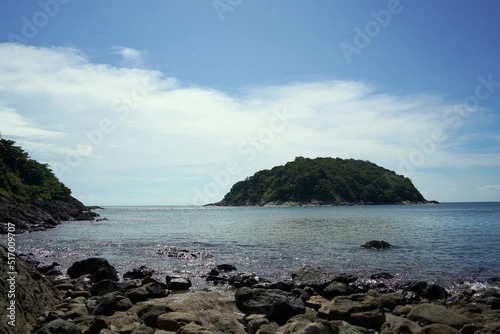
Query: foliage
x=24 y=178
x=327 y=180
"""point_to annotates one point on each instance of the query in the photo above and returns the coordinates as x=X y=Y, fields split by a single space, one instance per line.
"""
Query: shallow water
x=446 y=243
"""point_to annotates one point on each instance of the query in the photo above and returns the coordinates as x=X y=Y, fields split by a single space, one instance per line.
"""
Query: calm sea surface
x=446 y=243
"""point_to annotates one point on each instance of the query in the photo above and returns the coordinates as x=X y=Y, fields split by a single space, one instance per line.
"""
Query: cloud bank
x=128 y=134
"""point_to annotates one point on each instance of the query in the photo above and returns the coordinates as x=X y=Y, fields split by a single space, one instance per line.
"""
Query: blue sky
x=158 y=103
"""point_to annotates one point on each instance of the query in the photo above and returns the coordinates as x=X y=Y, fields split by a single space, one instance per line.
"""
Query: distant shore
x=315 y=203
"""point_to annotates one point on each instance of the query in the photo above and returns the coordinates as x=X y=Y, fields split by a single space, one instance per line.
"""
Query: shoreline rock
x=92 y=301
x=35 y=215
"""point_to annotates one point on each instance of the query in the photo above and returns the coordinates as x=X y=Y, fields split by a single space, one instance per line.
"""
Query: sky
x=170 y=102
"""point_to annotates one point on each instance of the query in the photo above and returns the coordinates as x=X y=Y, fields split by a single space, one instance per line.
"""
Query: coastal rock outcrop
x=99 y=268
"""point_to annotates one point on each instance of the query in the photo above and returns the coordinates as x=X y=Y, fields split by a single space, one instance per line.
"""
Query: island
x=31 y=197
x=323 y=181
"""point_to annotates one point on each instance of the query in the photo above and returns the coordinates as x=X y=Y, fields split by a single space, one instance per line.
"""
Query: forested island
x=323 y=181
x=31 y=196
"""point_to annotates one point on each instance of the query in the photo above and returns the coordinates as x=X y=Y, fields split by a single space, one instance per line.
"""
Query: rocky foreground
x=92 y=300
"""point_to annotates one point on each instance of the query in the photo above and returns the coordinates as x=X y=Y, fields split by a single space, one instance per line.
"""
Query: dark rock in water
x=217 y=279
x=276 y=305
x=182 y=254
x=245 y=280
x=346 y=278
x=44 y=268
x=222 y=268
x=178 y=283
x=99 y=268
x=377 y=244
x=59 y=326
x=103 y=287
x=382 y=275
x=315 y=278
x=434 y=291
x=139 y=273
x=137 y=295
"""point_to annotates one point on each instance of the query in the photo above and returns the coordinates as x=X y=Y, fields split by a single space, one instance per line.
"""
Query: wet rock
x=377 y=244
x=99 y=268
x=308 y=327
x=245 y=280
x=222 y=268
x=175 y=283
x=173 y=321
x=156 y=289
x=426 y=314
x=49 y=270
x=139 y=273
x=434 y=291
x=193 y=329
x=143 y=329
x=383 y=275
x=98 y=324
x=315 y=278
x=277 y=305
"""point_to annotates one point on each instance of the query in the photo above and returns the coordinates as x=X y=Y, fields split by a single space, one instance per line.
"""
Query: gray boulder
x=59 y=326
x=277 y=305
x=426 y=314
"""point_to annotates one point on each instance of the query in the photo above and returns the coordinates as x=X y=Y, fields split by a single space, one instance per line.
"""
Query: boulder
x=336 y=289
x=107 y=304
x=173 y=321
x=139 y=273
x=245 y=280
x=437 y=329
x=138 y=295
x=358 y=310
x=176 y=283
x=193 y=329
x=391 y=300
x=222 y=268
x=99 y=268
x=303 y=326
x=435 y=292
x=59 y=326
x=426 y=314
x=103 y=287
x=315 y=278
x=156 y=289
x=277 y=305
x=149 y=314
x=398 y=325
x=377 y=244
x=382 y=275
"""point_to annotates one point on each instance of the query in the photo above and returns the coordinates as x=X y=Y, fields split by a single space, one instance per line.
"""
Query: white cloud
x=168 y=131
x=130 y=57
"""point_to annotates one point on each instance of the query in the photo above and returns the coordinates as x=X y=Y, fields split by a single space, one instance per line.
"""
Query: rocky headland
x=91 y=299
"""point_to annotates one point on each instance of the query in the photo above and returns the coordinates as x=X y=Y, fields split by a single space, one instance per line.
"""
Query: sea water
x=449 y=243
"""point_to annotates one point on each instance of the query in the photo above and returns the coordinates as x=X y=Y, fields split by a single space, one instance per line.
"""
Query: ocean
x=453 y=244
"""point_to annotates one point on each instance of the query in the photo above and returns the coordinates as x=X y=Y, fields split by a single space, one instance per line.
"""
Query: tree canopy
x=324 y=180
x=23 y=178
